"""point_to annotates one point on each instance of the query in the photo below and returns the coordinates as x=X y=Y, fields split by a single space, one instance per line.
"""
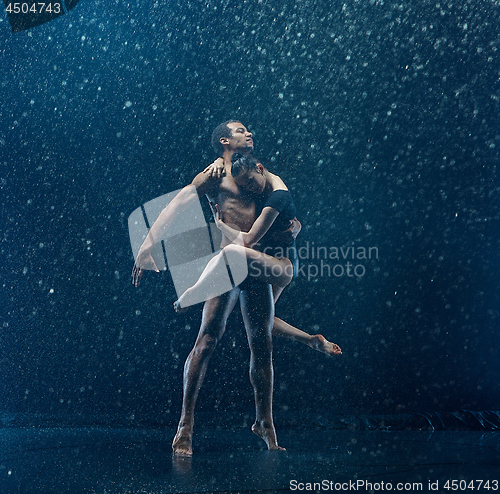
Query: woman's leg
x=285 y=330
x=239 y=262
x=278 y=272
x=213 y=281
x=314 y=341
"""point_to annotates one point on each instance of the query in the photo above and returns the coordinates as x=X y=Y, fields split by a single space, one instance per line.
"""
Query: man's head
x=231 y=136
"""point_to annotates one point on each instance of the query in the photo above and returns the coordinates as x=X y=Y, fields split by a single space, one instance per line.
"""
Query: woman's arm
x=259 y=228
x=200 y=185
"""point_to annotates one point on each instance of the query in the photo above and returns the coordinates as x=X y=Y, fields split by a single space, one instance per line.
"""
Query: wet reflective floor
x=133 y=461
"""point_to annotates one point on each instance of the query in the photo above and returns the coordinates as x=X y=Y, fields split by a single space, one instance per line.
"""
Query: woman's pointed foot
x=320 y=343
x=178 y=308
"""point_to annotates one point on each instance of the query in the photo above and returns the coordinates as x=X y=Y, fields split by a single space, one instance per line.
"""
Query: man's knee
x=205 y=345
x=261 y=346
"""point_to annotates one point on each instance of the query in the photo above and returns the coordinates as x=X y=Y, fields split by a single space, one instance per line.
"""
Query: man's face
x=241 y=139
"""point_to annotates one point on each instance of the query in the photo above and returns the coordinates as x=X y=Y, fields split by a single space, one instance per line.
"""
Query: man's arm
x=259 y=228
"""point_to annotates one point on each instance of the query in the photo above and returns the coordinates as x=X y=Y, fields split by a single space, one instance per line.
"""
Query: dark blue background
x=381 y=116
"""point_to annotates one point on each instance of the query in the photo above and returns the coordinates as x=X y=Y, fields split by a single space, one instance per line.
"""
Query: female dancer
x=253 y=247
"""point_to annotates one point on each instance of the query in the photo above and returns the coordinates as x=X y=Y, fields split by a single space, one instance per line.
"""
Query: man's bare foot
x=178 y=308
x=268 y=434
x=182 y=444
x=320 y=343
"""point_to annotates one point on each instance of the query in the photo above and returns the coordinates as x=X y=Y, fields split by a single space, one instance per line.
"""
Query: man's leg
x=213 y=324
x=257 y=308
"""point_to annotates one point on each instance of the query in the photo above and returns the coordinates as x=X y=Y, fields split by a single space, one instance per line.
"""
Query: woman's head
x=248 y=172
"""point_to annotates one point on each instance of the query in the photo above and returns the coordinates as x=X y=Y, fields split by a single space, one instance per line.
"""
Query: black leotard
x=282 y=201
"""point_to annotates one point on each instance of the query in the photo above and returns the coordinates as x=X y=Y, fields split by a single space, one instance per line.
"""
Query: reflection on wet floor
x=106 y=461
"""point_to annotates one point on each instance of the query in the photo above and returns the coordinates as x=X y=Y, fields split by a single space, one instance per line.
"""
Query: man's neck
x=227 y=159
x=228 y=153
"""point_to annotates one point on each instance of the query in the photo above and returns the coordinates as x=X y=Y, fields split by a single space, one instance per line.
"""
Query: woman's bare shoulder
x=278 y=183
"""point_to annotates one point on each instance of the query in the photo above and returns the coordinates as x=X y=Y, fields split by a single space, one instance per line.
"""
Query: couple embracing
x=255 y=212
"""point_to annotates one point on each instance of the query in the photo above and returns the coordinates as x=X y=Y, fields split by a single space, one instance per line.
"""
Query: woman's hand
x=217 y=214
x=216 y=169
x=290 y=234
x=143 y=261
x=234 y=236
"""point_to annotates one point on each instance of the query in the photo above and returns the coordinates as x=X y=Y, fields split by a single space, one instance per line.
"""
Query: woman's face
x=252 y=181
